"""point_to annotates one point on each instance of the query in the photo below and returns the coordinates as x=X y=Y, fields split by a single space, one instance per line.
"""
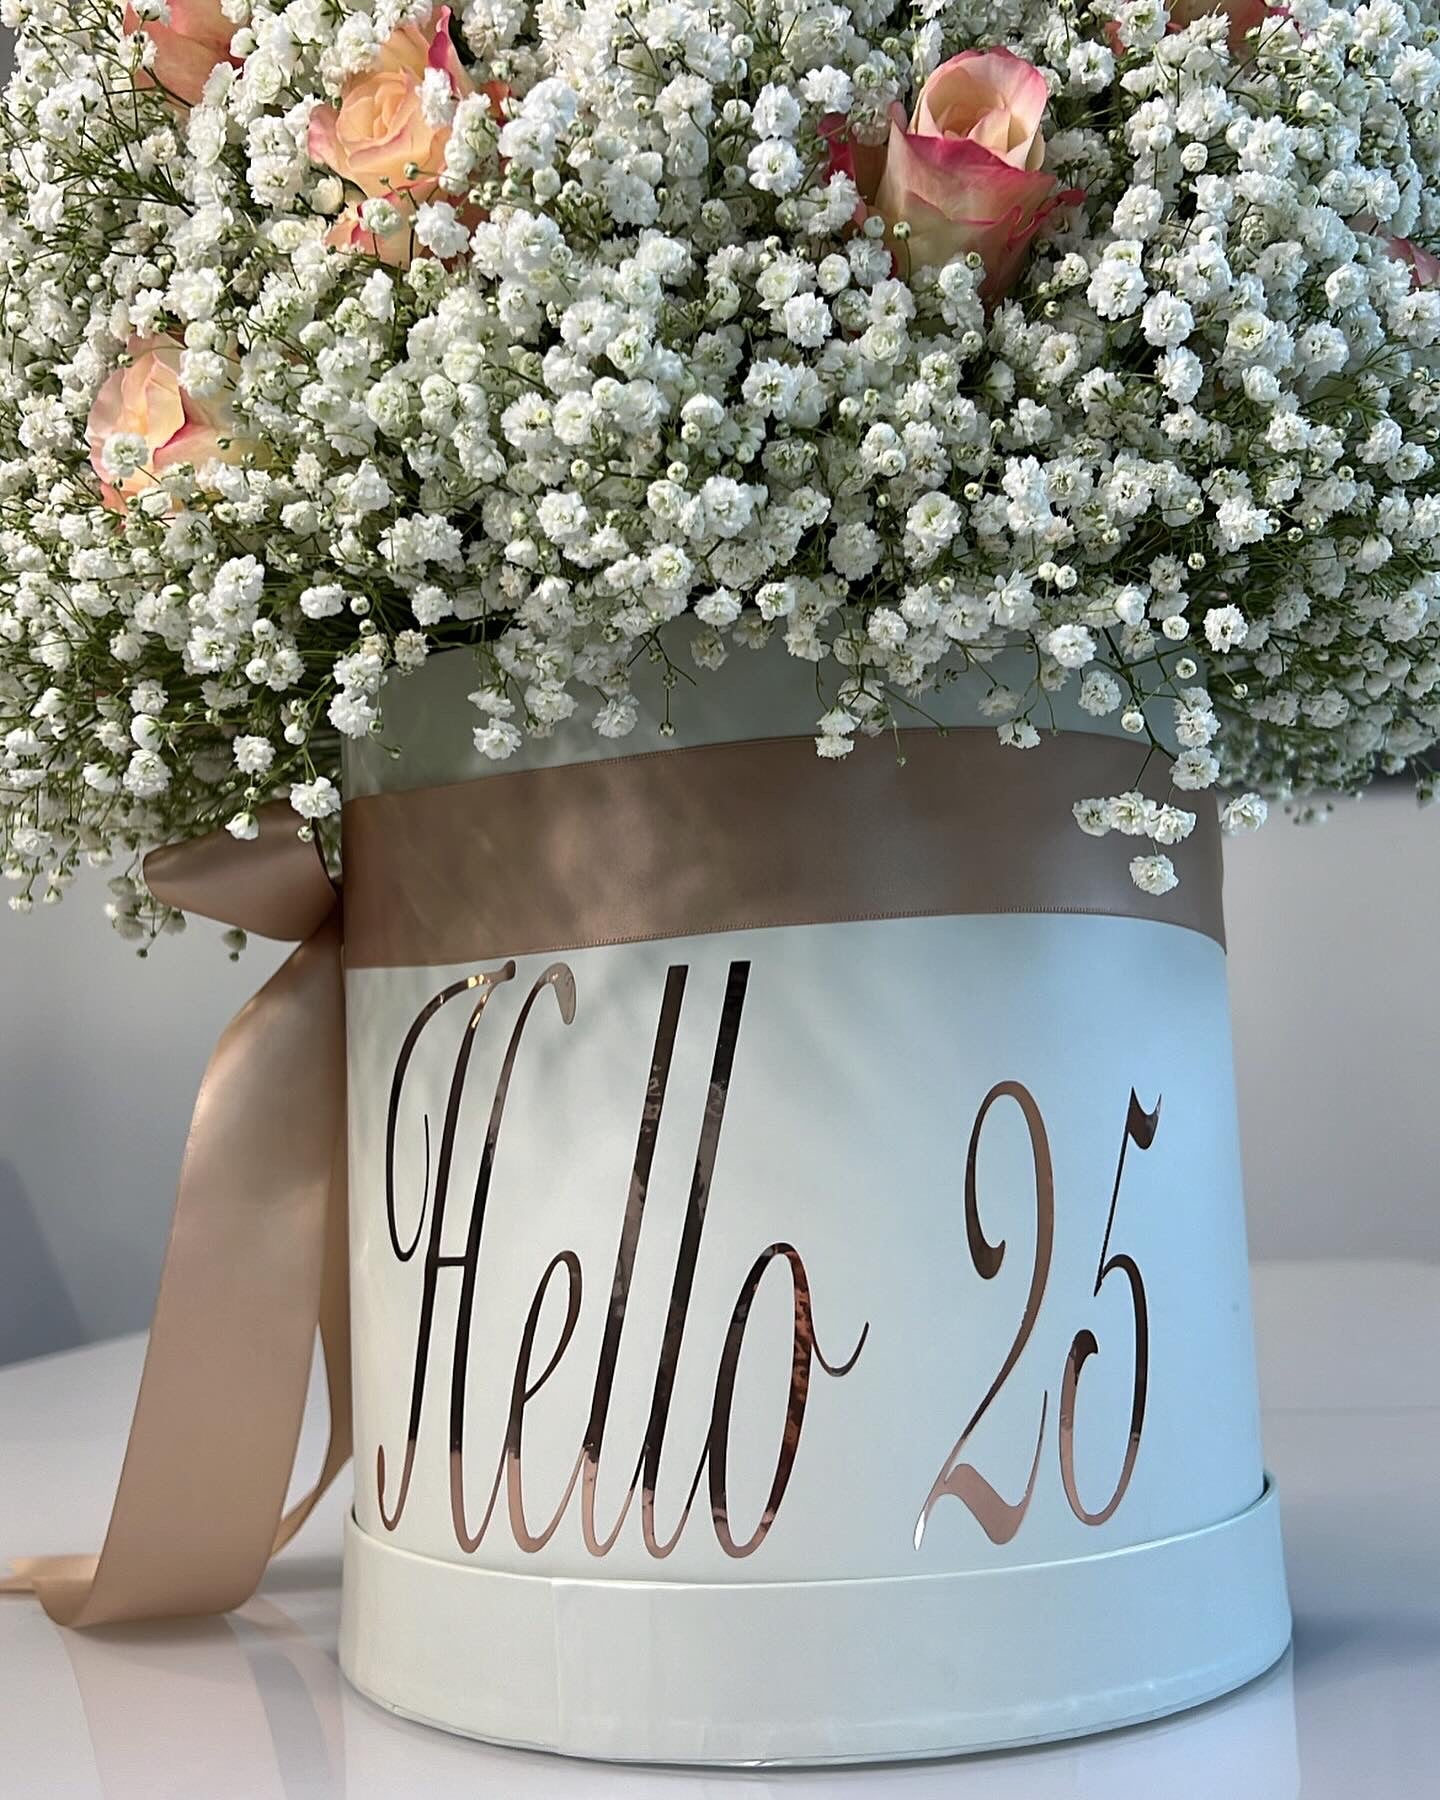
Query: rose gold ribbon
x=256 y=1261
x=741 y=836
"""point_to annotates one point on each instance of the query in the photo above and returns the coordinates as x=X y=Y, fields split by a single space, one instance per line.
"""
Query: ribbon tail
x=255 y=1262
x=335 y=1348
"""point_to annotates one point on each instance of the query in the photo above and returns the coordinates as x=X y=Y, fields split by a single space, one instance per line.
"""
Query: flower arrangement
x=341 y=332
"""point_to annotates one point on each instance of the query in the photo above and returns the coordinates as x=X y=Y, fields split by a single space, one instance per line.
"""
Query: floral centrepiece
x=339 y=334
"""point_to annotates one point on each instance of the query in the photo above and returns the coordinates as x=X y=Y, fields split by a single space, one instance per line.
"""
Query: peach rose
x=145 y=399
x=196 y=38
x=967 y=173
x=380 y=128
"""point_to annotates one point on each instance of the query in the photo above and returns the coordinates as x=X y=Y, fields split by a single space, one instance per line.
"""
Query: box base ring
x=759 y=1673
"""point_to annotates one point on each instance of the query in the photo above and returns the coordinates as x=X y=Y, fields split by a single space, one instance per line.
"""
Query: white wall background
x=1334 y=979
x=1334 y=985
x=100 y=1057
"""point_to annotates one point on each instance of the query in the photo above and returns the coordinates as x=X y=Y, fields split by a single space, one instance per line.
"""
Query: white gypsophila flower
x=1225 y=627
x=439 y=228
x=833 y=745
x=1167 y=320
x=1153 y=874
x=1118 y=285
x=253 y=755
x=322 y=602
x=1171 y=825
x=123 y=453
x=1072 y=646
x=316 y=799
x=382 y=216
x=1246 y=812
x=1093 y=817
x=616 y=719
x=497 y=740
x=1133 y=814
x=351 y=714
x=775 y=167
x=777 y=112
x=1100 y=693
x=1194 y=770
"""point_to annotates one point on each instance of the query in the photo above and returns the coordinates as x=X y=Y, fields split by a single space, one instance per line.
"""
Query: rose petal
x=442 y=55
x=863 y=163
x=348 y=233
x=1423 y=266
x=323 y=140
x=196 y=38
x=991 y=96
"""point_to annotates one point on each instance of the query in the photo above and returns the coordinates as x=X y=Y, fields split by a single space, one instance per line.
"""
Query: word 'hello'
x=565 y=1267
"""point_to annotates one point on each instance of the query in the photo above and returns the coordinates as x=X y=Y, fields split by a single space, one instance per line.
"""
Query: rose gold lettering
x=998 y=1517
x=1140 y=1129
x=525 y=1385
x=487 y=984
x=559 y=981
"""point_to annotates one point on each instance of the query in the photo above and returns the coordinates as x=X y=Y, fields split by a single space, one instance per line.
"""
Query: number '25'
x=998 y=1517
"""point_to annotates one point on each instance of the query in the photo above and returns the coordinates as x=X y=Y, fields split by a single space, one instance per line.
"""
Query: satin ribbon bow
x=256 y=1261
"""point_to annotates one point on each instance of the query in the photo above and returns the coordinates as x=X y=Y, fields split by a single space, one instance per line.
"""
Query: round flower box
x=800 y=1290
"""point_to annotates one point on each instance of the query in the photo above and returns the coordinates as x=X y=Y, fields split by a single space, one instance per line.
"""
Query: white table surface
x=253 y=1707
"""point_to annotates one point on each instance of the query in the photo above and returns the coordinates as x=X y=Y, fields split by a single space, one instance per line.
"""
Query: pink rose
x=145 y=399
x=380 y=129
x=196 y=38
x=1424 y=268
x=967 y=173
